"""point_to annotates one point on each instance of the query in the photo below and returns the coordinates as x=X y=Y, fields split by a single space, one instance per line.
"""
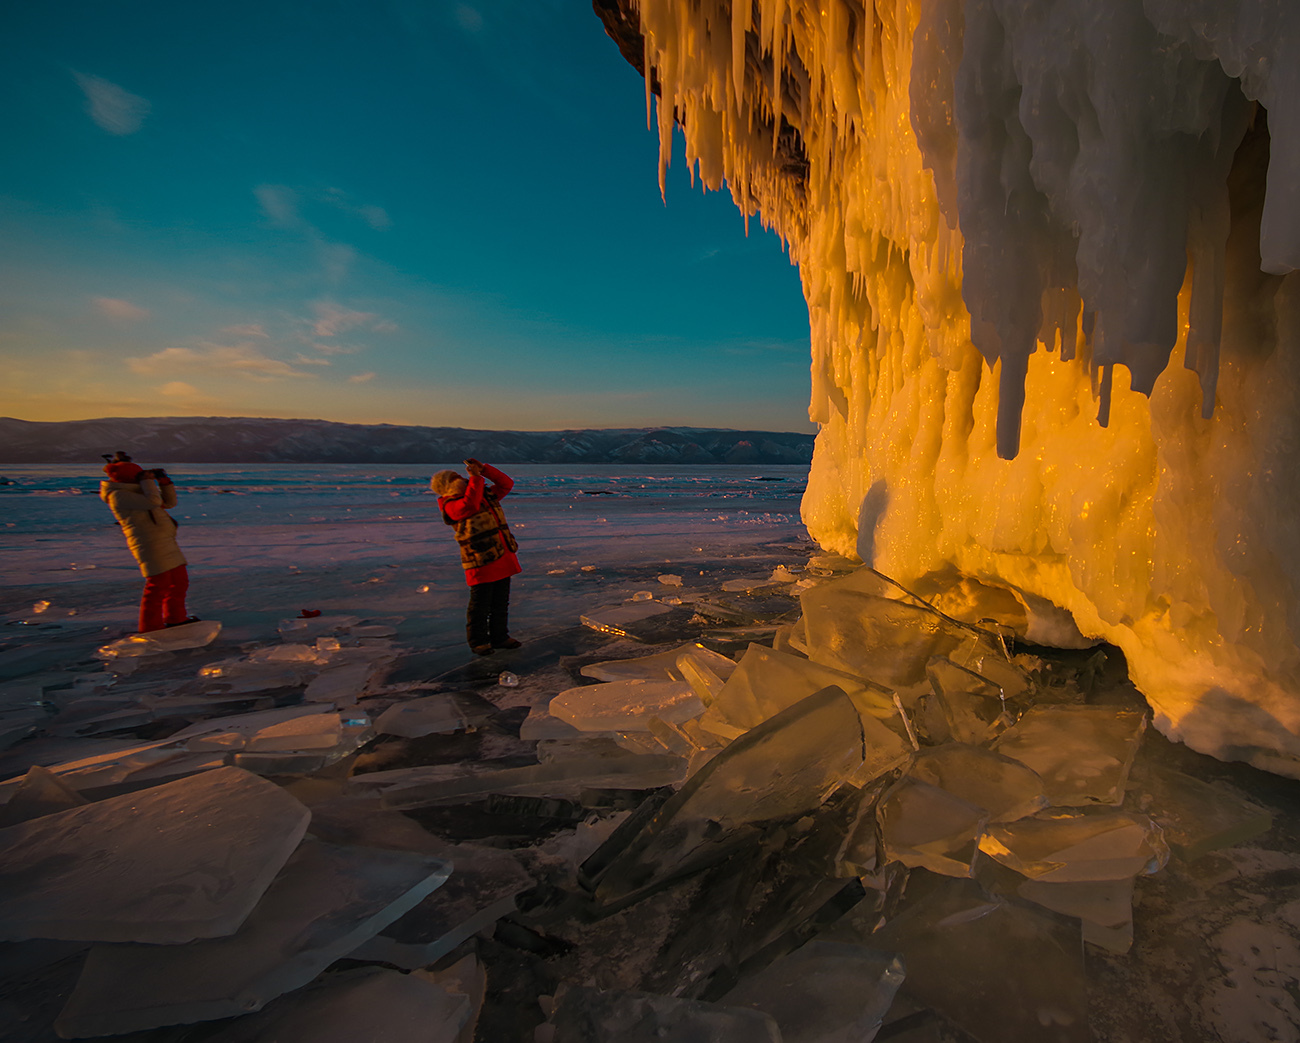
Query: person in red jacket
x=487 y=550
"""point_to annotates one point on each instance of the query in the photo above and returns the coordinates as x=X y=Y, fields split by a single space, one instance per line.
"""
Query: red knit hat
x=122 y=471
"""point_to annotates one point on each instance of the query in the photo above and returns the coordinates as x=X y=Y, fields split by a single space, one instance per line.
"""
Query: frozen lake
x=267 y=540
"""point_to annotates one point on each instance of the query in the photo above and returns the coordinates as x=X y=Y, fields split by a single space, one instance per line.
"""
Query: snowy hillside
x=252 y=440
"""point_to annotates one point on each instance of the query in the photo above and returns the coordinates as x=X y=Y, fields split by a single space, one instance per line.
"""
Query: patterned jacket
x=483 y=536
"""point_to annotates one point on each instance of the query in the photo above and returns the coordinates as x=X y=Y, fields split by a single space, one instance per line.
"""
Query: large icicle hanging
x=1009 y=217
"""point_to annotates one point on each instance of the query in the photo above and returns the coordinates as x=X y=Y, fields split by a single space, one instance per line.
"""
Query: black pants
x=488 y=619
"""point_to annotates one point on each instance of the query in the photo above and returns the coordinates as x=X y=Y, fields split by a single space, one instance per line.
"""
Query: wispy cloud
x=375 y=216
x=361 y=378
x=119 y=310
x=332 y=319
x=246 y=329
x=280 y=204
x=116 y=110
x=307 y=360
x=246 y=360
x=177 y=389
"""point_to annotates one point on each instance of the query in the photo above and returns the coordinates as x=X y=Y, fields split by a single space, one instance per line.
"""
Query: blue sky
x=392 y=211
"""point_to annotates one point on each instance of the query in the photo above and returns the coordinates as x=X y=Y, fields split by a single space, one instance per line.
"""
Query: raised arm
x=471 y=503
x=147 y=498
x=502 y=483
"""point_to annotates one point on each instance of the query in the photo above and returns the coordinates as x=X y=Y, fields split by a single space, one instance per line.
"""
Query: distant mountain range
x=240 y=440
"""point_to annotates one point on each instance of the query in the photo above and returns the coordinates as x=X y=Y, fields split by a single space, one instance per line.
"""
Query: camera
x=107 y=456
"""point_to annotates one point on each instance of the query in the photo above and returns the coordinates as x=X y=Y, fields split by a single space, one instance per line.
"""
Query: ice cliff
x=1046 y=249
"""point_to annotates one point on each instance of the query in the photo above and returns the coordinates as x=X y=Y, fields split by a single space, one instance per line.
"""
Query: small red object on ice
x=309 y=613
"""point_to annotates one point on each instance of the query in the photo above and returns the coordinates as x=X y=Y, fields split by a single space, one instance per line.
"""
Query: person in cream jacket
x=139 y=500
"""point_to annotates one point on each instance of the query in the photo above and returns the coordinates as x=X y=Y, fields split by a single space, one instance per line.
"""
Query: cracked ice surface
x=1048 y=252
x=184 y=860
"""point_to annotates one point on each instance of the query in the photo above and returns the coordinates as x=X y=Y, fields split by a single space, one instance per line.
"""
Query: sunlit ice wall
x=1045 y=248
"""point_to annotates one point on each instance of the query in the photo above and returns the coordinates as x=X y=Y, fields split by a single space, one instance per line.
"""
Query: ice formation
x=1045 y=249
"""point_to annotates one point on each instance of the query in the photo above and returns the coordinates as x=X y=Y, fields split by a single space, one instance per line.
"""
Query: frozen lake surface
x=267 y=540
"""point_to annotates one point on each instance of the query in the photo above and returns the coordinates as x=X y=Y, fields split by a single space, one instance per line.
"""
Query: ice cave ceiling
x=1047 y=251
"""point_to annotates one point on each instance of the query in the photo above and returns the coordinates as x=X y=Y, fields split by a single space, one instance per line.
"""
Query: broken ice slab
x=703 y=681
x=288 y=653
x=787 y=765
x=853 y=623
x=662 y=666
x=431 y=715
x=308 y=630
x=986 y=654
x=1070 y=848
x=625 y=706
x=345 y=683
x=320 y=731
x=183 y=860
x=539 y=724
x=924 y=826
x=615 y=619
x=1104 y=907
x=156 y=642
x=368 y=1003
x=585 y=1015
x=19 y=722
x=92 y=715
x=823 y=992
x=748 y=583
x=1082 y=753
x=765 y=682
x=236 y=731
x=108 y=768
x=235 y=676
x=465 y=978
x=972 y=705
x=1004 y=788
x=1196 y=816
x=40 y=792
x=325 y=902
x=996 y=969
x=408 y=788
x=482 y=888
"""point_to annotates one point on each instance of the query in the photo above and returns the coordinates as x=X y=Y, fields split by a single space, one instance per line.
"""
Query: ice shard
x=923 y=825
x=585 y=1015
x=1083 y=754
x=972 y=704
x=786 y=766
x=662 y=666
x=184 y=860
x=430 y=715
x=823 y=992
x=368 y=1003
x=407 y=788
x=623 y=620
x=766 y=682
x=483 y=887
x=997 y=969
x=1197 y=816
x=40 y=792
x=156 y=642
x=1004 y=788
x=625 y=706
x=1058 y=848
x=856 y=623
x=325 y=901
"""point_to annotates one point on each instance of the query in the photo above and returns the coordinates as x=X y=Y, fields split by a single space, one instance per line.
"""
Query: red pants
x=163 y=603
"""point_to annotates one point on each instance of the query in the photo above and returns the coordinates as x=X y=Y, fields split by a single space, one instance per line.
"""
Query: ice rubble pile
x=1074 y=195
x=767 y=847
